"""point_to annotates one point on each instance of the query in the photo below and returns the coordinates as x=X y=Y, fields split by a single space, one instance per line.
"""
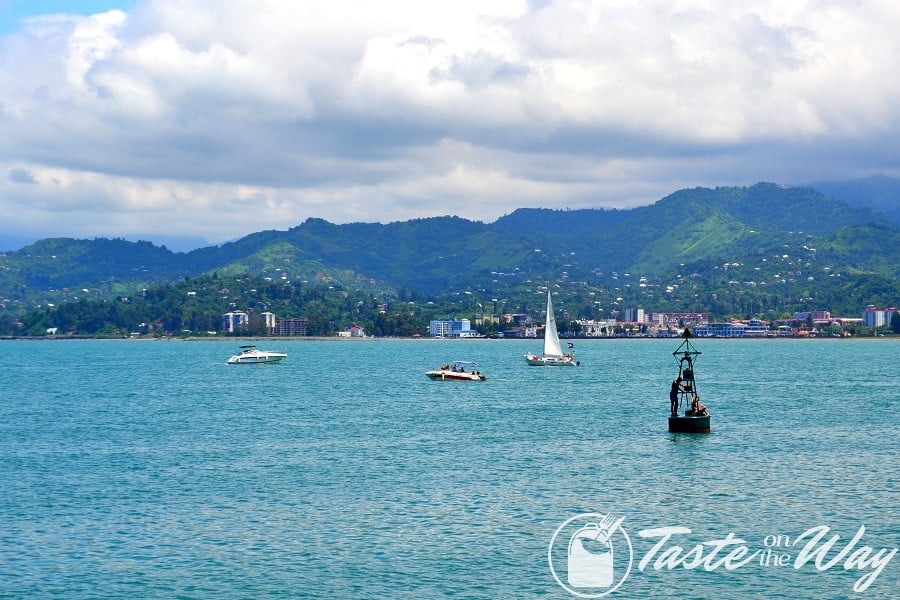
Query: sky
x=212 y=119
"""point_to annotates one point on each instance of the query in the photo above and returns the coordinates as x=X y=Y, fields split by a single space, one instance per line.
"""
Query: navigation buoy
x=687 y=413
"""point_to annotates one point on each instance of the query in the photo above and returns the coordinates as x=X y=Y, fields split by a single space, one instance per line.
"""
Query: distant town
x=248 y=306
x=636 y=323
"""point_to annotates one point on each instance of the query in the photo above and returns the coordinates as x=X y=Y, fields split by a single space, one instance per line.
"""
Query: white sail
x=551 y=337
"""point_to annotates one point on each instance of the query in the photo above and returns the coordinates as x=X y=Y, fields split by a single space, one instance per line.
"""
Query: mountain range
x=878 y=192
x=714 y=238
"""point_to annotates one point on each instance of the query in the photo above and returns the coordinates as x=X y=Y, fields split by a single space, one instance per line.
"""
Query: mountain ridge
x=691 y=229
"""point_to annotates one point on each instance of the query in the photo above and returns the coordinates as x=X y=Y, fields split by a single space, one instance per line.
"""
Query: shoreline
x=424 y=339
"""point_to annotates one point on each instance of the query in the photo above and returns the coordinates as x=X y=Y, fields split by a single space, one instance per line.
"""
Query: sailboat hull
x=551 y=361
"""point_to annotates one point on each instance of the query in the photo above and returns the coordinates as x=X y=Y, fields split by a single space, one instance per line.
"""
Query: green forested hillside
x=428 y=255
x=879 y=193
x=64 y=262
x=864 y=249
x=762 y=249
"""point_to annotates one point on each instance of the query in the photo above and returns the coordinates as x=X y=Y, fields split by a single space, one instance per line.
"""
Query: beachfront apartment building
x=291 y=327
x=635 y=315
x=233 y=320
x=269 y=320
x=678 y=319
x=460 y=328
x=731 y=329
x=874 y=317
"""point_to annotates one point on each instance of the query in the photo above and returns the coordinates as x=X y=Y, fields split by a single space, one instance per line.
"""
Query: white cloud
x=224 y=117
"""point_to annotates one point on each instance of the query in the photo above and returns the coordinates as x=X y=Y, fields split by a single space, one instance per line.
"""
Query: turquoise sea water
x=153 y=469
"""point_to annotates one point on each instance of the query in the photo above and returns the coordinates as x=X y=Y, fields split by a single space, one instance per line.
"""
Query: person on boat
x=673 y=395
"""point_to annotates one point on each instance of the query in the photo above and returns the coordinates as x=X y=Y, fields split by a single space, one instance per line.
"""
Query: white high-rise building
x=635 y=315
x=233 y=320
x=873 y=317
x=451 y=328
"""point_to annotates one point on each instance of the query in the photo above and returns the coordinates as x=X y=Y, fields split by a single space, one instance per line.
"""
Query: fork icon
x=608 y=526
x=606 y=521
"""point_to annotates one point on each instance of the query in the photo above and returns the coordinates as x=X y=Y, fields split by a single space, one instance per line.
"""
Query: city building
x=520 y=332
x=291 y=327
x=486 y=319
x=598 y=328
x=756 y=328
x=752 y=329
x=269 y=320
x=231 y=321
x=517 y=320
x=874 y=317
x=635 y=315
x=679 y=319
x=451 y=328
x=816 y=315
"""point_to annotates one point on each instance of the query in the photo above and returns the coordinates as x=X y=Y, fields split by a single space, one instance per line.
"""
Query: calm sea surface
x=153 y=469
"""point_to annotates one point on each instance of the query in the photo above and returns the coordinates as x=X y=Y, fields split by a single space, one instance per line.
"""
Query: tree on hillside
x=254 y=326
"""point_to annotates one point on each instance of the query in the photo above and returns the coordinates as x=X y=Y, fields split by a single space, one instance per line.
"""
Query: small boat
x=249 y=355
x=696 y=417
x=553 y=355
x=456 y=371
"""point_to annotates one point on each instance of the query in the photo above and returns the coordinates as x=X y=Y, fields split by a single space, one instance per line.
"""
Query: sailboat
x=553 y=354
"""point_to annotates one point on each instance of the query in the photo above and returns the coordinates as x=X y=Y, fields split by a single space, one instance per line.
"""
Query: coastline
x=427 y=339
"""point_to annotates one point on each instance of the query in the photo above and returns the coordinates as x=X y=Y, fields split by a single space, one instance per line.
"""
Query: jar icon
x=590 y=557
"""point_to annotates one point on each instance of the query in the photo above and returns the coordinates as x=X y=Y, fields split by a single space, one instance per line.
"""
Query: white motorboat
x=456 y=371
x=553 y=355
x=250 y=355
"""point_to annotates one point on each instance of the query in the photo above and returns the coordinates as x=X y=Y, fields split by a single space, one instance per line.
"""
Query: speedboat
x=249 y=355
x=456 y=371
